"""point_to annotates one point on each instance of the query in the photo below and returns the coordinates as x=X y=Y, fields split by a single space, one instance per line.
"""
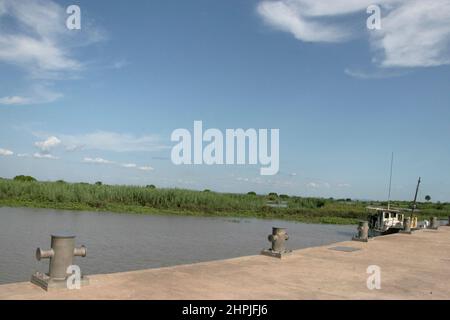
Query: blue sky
x=100 y=103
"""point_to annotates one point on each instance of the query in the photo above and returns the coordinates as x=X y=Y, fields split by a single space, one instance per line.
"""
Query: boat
x=391 y=220
x=387 y=221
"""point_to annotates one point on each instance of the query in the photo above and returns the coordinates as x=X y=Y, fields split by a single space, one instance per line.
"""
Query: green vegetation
x=24 y=178
x=25 y=192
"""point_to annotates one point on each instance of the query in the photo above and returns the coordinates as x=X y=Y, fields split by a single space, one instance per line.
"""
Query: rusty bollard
x=406 y=226
x=278 y=239
x=434 y=223
x=363 y=232
x=61 y=263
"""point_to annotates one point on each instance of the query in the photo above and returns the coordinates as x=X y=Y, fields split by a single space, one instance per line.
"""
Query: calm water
x=122 y=242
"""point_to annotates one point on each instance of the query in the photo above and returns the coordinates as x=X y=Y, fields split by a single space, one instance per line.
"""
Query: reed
x=150 y=200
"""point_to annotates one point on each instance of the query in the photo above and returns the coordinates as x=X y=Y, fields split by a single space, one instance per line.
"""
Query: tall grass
x=99 y=196
x=143 y=199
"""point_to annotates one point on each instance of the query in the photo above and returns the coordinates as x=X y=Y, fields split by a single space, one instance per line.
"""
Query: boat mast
x=415 y=198
x=390 y=182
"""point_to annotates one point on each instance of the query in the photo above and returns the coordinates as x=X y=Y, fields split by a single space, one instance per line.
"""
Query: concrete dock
x=413 y=266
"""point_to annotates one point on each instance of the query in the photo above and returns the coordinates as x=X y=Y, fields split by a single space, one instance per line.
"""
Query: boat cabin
x=386 y=220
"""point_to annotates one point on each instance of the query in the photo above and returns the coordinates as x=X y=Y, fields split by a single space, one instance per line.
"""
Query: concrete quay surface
x=413 y=266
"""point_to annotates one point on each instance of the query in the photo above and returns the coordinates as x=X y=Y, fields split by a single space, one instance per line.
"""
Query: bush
x=150 y=186
x=23 y=178
x=439 y=206
x=99 y=183
x=251 y=193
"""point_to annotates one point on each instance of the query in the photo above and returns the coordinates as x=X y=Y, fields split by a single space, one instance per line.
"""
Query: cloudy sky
x=100 y=103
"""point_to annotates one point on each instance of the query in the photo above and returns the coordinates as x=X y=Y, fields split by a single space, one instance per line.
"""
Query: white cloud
x=34 y=37
x=48 y=144
x=5 y=152
x=97 y=161
x=344 y=185
x=38 y=94
x=313 y=185
x=129 y=165
x=374 y=74
x=39 y=155
x=14 y=100
x=40 y=40
x=146 y=168
x=23 y=155
x=120 y=64
x=317 y=185
x=123 y=165
x=414 y=33
x=112 y=141
x=290 y=16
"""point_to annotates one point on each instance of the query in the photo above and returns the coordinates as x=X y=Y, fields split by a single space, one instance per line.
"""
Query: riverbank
x=117 y=208
x=411 y=267
x=150 y=200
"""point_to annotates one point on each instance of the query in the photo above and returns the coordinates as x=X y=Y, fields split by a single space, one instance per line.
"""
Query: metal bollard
x=363 y=232
x=61 y=257
x=406 y=226
x=278 y=239
x=434 y=223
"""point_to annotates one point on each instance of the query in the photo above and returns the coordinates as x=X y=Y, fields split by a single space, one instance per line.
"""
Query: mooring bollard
x=278 y=239
x=434 y=223
x=363 y=232
x=406 y=225
x=61 y=258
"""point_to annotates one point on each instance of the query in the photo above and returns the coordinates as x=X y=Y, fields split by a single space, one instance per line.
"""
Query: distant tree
x=60 y=181
x=151 y=186
x=251 y=193
x=440 y=206
x=273 y=196
x=428 y=198
x=320 y=203
x=99 y=183
x=348 y=200
x=23 y=178
x=284 y=196
x=206 y=190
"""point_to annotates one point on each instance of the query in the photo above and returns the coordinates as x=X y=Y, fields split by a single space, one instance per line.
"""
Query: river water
x=123 y=242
